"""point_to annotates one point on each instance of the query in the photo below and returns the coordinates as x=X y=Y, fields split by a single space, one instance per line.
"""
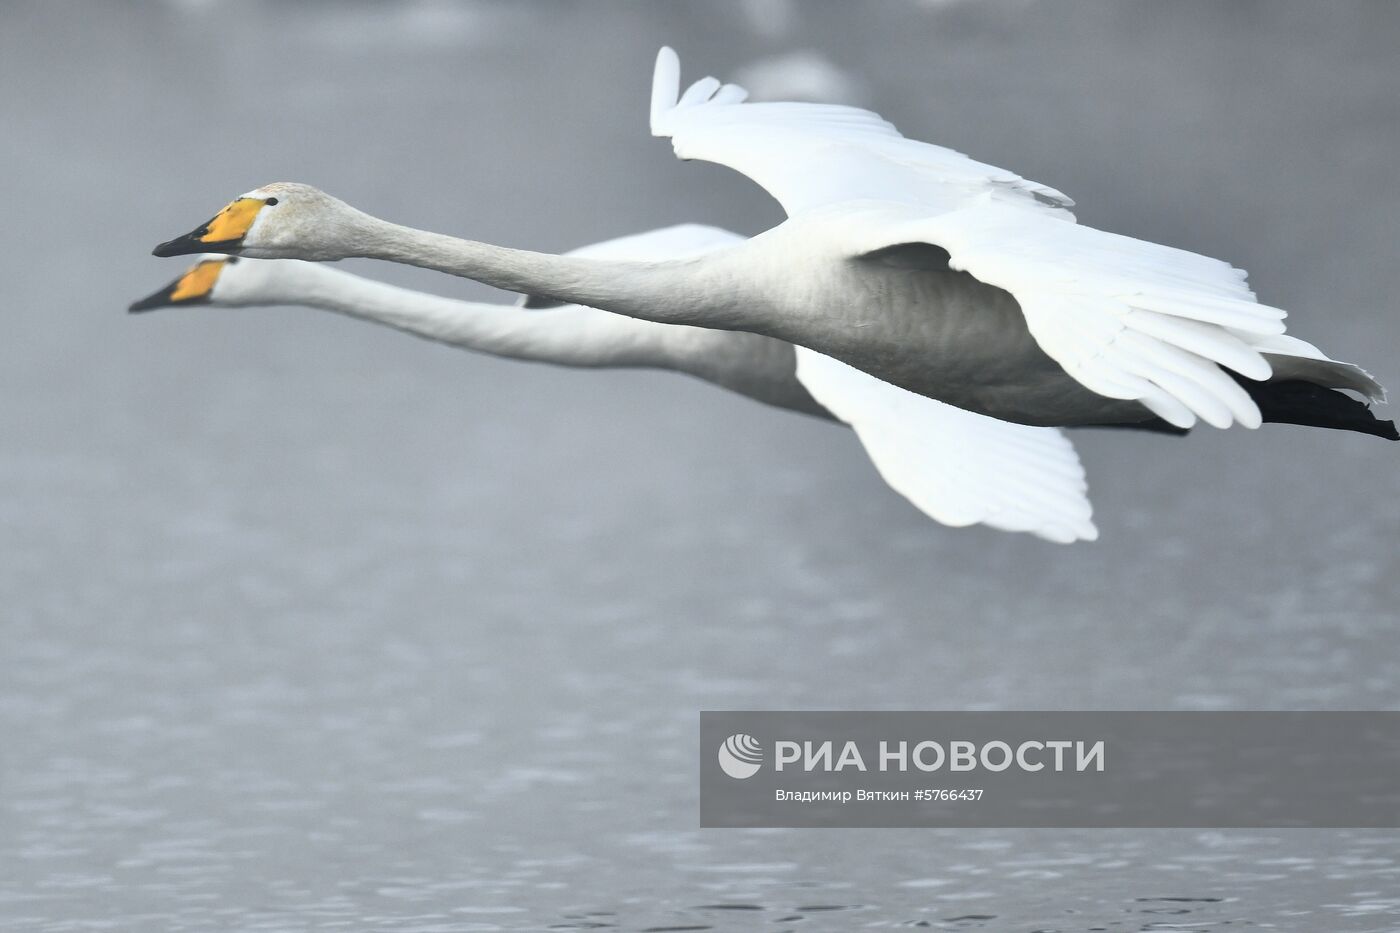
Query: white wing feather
x=959 y=468
x=1127 y=318
x=810 y=155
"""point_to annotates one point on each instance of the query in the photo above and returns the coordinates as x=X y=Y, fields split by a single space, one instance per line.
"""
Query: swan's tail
x=1304 y=389
x=1301 y=401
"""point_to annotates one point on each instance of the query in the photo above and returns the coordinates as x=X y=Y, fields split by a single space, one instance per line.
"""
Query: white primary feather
x=958 y=467
x=1127 y=318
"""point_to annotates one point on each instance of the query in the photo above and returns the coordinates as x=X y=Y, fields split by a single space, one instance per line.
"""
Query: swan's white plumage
x=1146 y=327
x=1127 y=318
x=957 y=467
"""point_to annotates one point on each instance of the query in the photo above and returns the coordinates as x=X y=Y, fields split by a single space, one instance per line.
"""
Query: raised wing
x=958 y=467
x=811 y=155
x=1127 y=318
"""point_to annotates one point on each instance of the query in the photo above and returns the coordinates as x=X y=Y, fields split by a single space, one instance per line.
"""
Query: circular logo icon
x=740 y=756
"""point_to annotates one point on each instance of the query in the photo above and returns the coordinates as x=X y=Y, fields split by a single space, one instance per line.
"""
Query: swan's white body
x=957 y=467
x=953 y=279
x=941 y=277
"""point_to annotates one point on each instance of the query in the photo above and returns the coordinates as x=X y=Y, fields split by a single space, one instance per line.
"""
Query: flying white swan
x=955 y=280
x=957 y=467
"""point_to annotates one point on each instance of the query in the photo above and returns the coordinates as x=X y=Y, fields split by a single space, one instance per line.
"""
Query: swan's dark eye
x=270 y=201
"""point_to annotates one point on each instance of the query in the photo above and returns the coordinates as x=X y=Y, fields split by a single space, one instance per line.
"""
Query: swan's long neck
x=698 y=291
x=568 y=336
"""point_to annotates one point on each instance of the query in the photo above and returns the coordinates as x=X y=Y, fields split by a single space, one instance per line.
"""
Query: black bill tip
x=195 y=287
x=163 y=298
x=157 y=299
x=193 y=242
x=182 y=246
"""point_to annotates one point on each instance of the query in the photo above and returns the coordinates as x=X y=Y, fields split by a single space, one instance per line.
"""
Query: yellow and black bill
x=193 y=288
x=224 y=232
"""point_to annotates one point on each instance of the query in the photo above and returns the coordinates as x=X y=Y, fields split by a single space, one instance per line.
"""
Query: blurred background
x=306 y=625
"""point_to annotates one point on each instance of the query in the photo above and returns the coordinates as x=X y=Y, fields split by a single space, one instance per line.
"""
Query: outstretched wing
x=812 y=155
x=958 y=467
x=1126 y=318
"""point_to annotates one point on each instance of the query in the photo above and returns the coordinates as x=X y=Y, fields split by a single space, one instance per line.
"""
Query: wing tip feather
x=1060 y=534
x=665 y=87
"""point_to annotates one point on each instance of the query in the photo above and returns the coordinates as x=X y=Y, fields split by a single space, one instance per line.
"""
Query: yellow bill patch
x=198 y=282
x=232 y=222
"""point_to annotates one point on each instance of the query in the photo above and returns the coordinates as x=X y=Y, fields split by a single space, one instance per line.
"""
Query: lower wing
x=959 y=468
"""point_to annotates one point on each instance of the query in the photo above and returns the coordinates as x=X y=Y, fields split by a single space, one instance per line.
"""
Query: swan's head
x=228 y=281
x=285 y=220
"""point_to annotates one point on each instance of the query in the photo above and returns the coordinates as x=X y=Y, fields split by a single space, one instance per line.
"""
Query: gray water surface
x=309 y=626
